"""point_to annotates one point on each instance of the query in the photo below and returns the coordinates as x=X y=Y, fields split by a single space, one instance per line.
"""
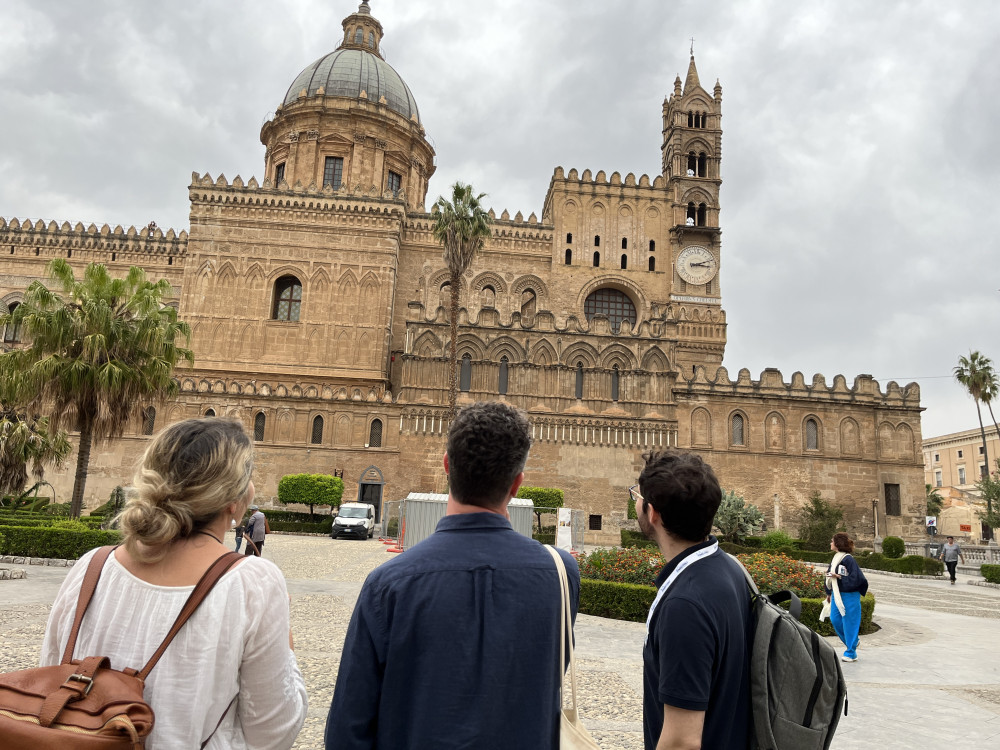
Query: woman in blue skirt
x=845 y=585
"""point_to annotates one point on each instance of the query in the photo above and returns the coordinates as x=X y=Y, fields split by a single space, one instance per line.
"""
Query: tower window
x=569 y=238
x=892 y=500
x=12 y=333
x=569 y=257
x=624 y=243
x=597 y=240
x=578 y=392
x=209 y=412
x=375 y=434
x=738 y=438
x=279 y=174
x=692 y=165
x=371 y=39
x=317 y=431
x=465 y=374
x=333 y=172
x=394 y=183
x=148 y=420
x=615 y=383
x=624 y=261
x=287 y=299
x=652 y=263
x=503 y=377
x=702 y=210
x=359 y=36
x=812 y=435
x=702 y=165
x=597 y=258
x=692 y=214
x=614 y=305
x=652 y=246
x=259 y=423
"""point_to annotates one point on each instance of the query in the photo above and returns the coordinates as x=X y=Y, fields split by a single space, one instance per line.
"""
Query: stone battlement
x=602 y=179
x=65 y=238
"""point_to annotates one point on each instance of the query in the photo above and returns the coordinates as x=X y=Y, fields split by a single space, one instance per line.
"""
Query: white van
x=354 y=519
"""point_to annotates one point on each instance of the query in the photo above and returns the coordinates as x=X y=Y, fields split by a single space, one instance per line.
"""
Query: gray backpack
x=797 y=687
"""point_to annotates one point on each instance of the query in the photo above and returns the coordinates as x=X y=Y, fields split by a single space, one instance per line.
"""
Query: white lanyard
x=681 y=566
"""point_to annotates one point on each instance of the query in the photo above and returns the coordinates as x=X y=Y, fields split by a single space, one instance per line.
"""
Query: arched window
x=445 y=296
x=615 y=305
x=692 y=169
x=738 y=436
x=597 y=259
x=209 y=412
x=579 y=380
x=597 y=240
x=489 y=296
x=624 y=261
x=702 y=165
x=287 y=299
x=692 y=214
x=528 y=303
x=702 y=211
x=652 y=263
x=258 y=426
x=12 y=333
x=812 y=435
x=148 y=420
x=371 y=39
x=569 y=238
x=615 y=382
x=624 y=243
x=652 y=246
x=317 y=432
x=359 y=36
x=465 y=374
x=503 y=377
x=569 y=257
x=375 y=434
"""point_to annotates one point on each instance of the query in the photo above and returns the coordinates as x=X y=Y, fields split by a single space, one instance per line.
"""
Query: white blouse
x=235 y=643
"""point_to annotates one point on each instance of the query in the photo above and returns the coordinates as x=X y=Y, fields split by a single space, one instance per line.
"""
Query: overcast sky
x=860 y=162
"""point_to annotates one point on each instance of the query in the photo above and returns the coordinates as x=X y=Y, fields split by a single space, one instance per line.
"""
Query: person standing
x=845 y=585
x=256 y=532
x=696 y=670
x=455 y=643
x=239 y=534
x=951 y=553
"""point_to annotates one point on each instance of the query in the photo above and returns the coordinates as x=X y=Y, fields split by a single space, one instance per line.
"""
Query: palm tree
x=974 y=372
x=26 y=441
x=100 y=351
x=934 y=500
x=462 y=227
x=991 y=390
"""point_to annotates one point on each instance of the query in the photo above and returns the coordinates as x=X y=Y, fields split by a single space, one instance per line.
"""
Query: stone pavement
x=931 y=675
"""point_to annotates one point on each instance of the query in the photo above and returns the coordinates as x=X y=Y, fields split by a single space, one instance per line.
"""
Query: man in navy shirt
x=455 y=643
x=696 y=680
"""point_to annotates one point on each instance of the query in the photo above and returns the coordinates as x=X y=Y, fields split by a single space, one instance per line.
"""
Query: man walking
x=696 y=680
x=455 y=643
x=256 y=532
x=951 y=553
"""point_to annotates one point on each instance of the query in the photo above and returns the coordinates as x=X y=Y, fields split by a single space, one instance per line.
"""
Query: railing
x=974 y=555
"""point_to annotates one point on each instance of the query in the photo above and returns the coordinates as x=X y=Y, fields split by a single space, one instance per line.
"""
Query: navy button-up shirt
x=455 y=644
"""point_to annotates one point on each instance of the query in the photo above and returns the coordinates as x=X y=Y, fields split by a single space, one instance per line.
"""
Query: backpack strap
x=201 y=589
x=87 y=589
x=794 y=604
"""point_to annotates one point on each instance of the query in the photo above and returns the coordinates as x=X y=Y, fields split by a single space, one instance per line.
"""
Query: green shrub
x=820 y=521
x=990 y=572
x=777 y=573
x=753 y=542
x=735 y=519
x=71 y=524
x=632 y=515
x=322 y=527
x=114 y=504
x=56 y=509
x=812 y=607
x=545 y=499
x=545 y=537
x=392 y=528
x=24 y=541
x=617 y=601
x=910 y=565
x=806 y=555
x=776 y=540
x=311 y=490
x=291 y=516
x=636 y=539
x=633 y=565
x=85 y=523
x=893 y=547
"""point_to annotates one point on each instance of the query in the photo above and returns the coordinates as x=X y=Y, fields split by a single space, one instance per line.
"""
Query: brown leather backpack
x=84 y=703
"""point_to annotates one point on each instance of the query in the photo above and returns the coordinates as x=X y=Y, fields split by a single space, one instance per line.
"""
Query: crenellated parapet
x=280 y=389
x=579 y=190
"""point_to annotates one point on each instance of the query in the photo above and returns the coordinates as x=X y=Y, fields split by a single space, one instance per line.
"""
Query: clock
x=696 y=265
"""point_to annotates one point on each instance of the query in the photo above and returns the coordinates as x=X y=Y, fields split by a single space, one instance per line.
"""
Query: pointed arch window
x=375 y=434
x=652 y=246
x=148 y=420
x=692 y=169
x=317 y=431
x=702 y=215
x=287 y=299
x=702 y=164
x=737 y=432
x=624 y=261
x=569 y=257
x=615 y=382
x=812 y=435
x=489 y=296
x=503 y=377
x=209 y=412
x=465 y=374
x=652 y=264
x=259 y=422
x=579 y=380
x=692 y=214
x=597 y=259
x=12 y=333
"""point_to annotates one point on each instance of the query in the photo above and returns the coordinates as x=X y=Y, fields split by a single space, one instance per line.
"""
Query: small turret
x=362 y=31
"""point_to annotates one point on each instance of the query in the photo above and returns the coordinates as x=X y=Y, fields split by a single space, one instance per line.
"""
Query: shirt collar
x=466 y=521
x=669 y=567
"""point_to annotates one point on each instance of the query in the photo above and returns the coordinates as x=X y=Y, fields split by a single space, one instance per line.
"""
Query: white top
x=236 y=642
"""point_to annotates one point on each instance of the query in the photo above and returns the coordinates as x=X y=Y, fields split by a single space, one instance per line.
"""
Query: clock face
x=696 y=265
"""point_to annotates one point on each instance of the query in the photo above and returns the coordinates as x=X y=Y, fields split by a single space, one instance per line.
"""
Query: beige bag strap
x=566 y=639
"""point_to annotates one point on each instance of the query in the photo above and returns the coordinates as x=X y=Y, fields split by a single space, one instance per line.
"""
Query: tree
x=311 y=489
x=934 y=500
x=101 y=350
x=820 y=521
x=545 y=500
x=989 y=486
x=975 y=372
x=735 y=520
x=991 y=391
x=26 y=443
x=462 y=227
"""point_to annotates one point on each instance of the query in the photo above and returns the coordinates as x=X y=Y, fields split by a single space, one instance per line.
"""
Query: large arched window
x=12 y=333
x=259 y=423
x=489 y=296
x=209 y=412
x=615 y=305
x=317 y=431
x=465 y=374
x=812 y=435
x=528 y=303
x=504 y=376
x=148 y=420
x=579 y=380
x=738 y=435
x=287 y=299
x=375 y=434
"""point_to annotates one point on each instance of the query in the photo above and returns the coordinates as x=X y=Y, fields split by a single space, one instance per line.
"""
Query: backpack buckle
x=88 y=682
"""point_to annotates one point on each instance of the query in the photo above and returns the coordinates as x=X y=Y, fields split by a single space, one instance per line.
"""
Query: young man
x=696 y=681
x=951 y=553
x=455 y=643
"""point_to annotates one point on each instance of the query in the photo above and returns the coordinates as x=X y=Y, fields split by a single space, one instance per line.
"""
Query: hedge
x=893 y=547
x=628 y=601
x=25 y=519
x=291 y=516
x=323 y=527
x=910 y=565
x=25 y=541
x=545 y=537
x=636 y=539
x=990 y=572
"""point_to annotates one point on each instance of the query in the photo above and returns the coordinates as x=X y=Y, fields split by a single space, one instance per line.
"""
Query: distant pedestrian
x=239 y=534
x=951 y=553
x=845 y=585
x=255 y=532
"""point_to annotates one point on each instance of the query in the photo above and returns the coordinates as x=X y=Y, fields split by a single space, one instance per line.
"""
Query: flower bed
x=617 y=565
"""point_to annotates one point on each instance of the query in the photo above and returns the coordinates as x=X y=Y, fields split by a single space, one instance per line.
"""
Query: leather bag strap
x=87 y=589
x=76 y=687
x=215 y=571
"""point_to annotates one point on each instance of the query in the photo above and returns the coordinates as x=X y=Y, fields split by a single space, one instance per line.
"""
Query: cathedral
x=318 y=302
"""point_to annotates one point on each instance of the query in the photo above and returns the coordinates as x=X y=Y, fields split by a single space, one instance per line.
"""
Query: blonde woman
x=233 y=660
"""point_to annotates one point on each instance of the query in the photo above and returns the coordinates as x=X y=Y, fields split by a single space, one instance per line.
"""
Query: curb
x=984 y=584
x=50 y=561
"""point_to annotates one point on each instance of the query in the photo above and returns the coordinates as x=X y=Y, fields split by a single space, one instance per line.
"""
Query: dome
x=348 y=72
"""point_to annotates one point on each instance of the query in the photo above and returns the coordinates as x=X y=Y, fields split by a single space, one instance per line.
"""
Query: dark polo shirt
x=696 y=656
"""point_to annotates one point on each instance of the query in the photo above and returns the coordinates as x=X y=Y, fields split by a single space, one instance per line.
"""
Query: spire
x=364 y=8
x=362 y=30
x=677 y=86
x=691 y=82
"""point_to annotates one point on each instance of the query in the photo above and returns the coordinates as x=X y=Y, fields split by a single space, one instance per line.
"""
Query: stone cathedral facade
x=318 y=301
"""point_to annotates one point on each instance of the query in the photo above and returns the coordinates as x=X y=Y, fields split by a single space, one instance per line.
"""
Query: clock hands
x=706 y=264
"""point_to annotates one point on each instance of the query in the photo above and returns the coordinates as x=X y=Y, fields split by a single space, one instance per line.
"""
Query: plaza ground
x=930 y=675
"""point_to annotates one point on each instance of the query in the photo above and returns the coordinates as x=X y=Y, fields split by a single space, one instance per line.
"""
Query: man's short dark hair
x=684 y=491
x=488 y=444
